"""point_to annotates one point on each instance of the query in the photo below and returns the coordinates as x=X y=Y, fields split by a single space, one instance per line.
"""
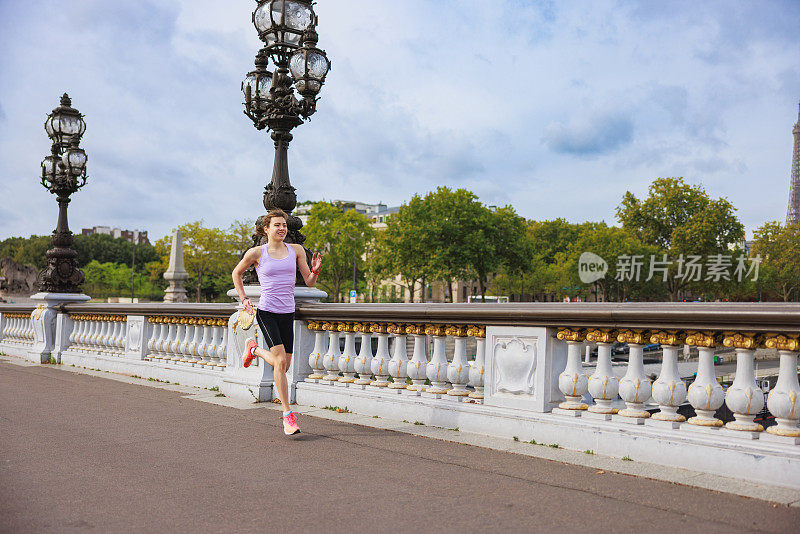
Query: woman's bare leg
x=279 y=360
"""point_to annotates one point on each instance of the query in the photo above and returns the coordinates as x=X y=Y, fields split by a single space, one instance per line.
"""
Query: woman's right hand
x=248 y=307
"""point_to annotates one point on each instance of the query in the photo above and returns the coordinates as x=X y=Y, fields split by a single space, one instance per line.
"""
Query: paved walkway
x=82 y=453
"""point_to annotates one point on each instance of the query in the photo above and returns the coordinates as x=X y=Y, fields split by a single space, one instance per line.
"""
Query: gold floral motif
x=638 y=337
x=435 y=329
x=782 y=342
x=476 y=331
x=415 y=329
x=668 y=337
x=567 y=334
x=742 y=340
x=455 y=330
x=344 y=327
x=601 y=336
x=378 y=328
x=395 y=328
x=704 y=339
x=328 y=326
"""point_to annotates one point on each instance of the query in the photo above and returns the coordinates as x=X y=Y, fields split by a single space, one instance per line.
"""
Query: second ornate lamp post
x=288 y=30
x=63 y=173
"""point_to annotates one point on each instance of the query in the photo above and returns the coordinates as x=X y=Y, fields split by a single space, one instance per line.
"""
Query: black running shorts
x=278 y=328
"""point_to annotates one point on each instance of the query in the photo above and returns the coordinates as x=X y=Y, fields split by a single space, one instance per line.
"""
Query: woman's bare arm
x=309 y=274
x=250 y=257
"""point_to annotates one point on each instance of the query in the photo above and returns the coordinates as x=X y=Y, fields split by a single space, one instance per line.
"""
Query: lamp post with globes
x=63 y=173
x=288 y=30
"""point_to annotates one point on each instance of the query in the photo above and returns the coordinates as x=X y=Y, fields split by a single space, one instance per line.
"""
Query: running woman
x=276 y=263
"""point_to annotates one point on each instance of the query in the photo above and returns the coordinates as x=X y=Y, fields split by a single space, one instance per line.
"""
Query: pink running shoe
x=290 y=425
x=249 y=352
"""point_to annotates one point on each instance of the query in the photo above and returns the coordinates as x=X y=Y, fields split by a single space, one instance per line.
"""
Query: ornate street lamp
x=287 y=28
x=63 y=173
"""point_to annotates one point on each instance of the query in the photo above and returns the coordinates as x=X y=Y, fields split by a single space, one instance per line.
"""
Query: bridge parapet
x=511 y=370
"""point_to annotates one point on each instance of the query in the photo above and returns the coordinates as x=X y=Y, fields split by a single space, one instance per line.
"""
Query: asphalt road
x=81 y=453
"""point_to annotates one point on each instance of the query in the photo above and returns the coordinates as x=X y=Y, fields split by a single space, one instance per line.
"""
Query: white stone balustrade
x=18 y=329
x=188 y=341
x=98 y=333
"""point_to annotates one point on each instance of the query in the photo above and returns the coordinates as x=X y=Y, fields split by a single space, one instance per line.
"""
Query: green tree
x=681 y=220
x=329 y=231
x=779 y=248
x=403 y=248
x=209 y=256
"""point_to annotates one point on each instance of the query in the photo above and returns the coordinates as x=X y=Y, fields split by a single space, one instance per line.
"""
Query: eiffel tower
x=793 y=214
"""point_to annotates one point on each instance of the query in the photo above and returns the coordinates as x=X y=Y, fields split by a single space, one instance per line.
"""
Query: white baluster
x=458 y=369
x=477 y=371
x=190 y=351
x=184 y=349
x=573 y=382
x=76 y=327
x=208 y=354
x=635 y=388
x=669 y=391
x=705 y=394
x=380 y=363
x=399 y=360
x=202 y=346
x=315 y=358
x=167 y=337
x=363 y=363
x=437 y=367
x=348 y=357
x=417 y=368
x=121 y=333
x=222 y=361
x=331 y=358
x=180 y=336
x=782 y=399
x=155 y=334
x=744 y=398
x=91 y=333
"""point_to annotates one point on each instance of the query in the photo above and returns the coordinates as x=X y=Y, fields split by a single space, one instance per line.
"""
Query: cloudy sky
x=556 y=108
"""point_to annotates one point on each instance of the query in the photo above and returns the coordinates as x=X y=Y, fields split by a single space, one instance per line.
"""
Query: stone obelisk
x=176 y=274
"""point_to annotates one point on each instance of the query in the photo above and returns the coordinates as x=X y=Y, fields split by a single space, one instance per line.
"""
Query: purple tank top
x=277 y=281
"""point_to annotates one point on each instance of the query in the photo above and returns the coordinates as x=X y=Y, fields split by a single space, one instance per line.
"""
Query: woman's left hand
x=316 y=262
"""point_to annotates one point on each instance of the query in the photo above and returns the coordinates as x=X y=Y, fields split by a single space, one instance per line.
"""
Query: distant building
x=378 y=213
x=134 y=236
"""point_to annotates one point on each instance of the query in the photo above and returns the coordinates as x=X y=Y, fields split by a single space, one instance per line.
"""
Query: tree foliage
x=779 y=248
x=343 y=238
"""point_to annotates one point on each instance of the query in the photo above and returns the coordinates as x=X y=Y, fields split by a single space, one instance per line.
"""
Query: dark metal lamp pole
x=63 y=173
x=287 y=28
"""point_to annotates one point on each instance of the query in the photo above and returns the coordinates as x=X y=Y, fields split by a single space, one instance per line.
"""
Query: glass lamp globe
x=74 y=160
x=309 y=66
x=65 y=123
x=281 y=23
x=49 y=168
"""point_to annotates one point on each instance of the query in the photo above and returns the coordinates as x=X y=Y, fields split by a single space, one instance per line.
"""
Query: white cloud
x=506 y=98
